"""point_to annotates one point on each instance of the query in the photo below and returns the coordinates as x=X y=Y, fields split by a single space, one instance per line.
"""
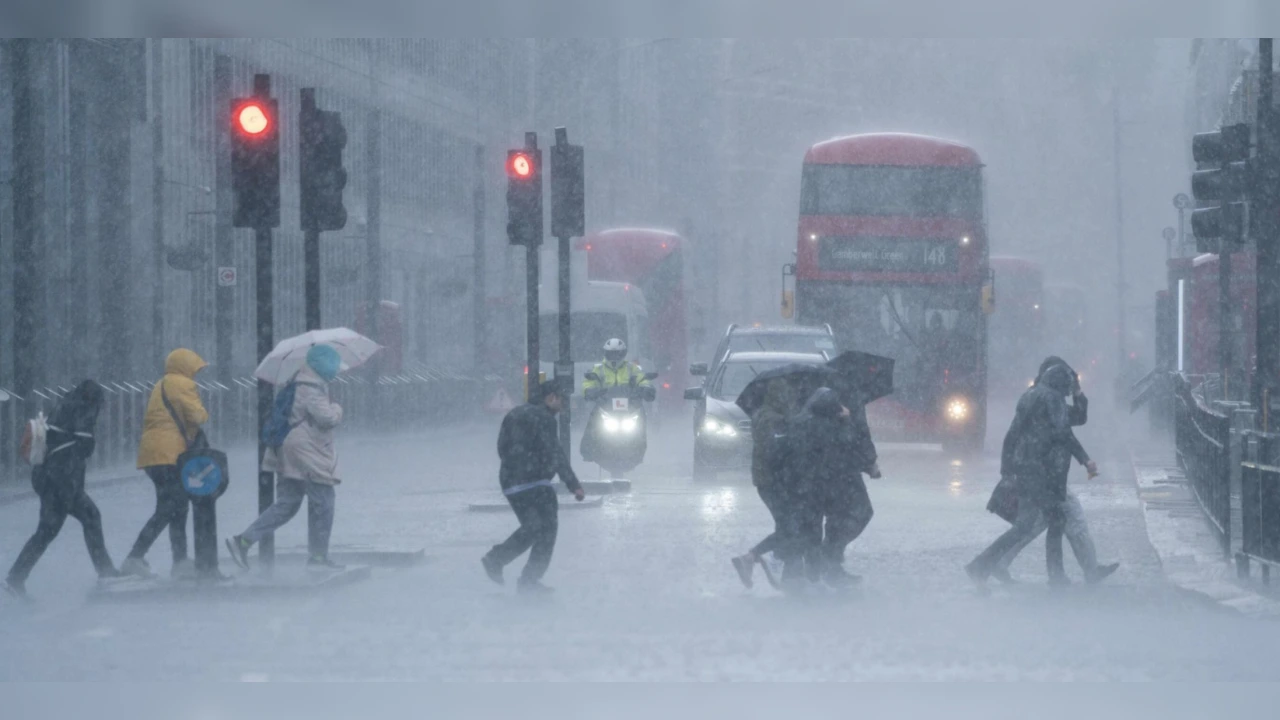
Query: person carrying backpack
x=59 y=481
x=303 y=457
x=170 y=427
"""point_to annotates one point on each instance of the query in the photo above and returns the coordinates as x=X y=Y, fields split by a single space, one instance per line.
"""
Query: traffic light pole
x=1267 y=267
x=264 y=277
x=531 y=274
x=311 y=241
x=1226 y=334
x=566 y=357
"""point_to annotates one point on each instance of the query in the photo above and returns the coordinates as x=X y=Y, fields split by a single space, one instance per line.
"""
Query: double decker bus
x=653 y=261
x=1016 y=335
x=892 y=253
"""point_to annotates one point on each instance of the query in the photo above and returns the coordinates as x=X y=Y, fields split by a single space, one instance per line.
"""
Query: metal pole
x=224 y=249
x=264 y=273
x=1120 y=309
x=311 y=236
x=531 y=316
x=28 y=194
x=1267 y=268
x=566 y=357
x=157 y=198
x=479 y=292
x=1224 y=317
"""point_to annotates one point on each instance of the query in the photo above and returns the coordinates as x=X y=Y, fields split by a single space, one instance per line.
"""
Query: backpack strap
x=177 y=419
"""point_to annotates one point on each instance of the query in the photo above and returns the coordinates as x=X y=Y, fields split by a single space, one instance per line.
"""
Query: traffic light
x=524 y=197
x=1227 y=184
x=568 y=212
x=255 y=162
x=320 y=144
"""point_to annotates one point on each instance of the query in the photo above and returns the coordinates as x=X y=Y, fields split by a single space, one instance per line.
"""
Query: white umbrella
x=290 y=355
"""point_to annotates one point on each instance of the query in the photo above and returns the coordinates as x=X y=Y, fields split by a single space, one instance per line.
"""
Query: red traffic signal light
x=252 y=118
x=520 y=166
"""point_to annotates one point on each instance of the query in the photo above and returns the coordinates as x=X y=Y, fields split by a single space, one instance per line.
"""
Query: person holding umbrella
x=305 y=462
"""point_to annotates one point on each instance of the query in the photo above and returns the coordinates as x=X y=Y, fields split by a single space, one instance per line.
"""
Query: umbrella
x=806 y=379
x=871 y=375
x=282 y=363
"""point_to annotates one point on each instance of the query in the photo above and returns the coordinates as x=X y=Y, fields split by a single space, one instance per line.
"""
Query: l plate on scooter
x=621 y=404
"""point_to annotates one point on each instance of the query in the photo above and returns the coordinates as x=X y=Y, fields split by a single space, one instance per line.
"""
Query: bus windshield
x=933 y=332
x=587 y=335
x=892 y=190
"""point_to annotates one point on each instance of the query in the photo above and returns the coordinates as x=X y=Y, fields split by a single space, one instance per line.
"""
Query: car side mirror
x=592 y=376
x=697 y=369
x=651 y=376
x=694 y=393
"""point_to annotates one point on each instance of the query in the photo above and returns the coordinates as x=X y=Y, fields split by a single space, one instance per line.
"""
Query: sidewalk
x=1188 y=548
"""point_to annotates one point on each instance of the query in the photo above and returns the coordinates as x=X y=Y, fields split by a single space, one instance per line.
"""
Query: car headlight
x=957 y=410
x=719 y=427
x=610 y=424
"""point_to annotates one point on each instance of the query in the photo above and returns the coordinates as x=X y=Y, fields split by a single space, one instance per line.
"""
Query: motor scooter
x=616 y=434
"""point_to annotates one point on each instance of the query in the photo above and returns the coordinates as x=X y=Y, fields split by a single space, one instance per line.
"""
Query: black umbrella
x=805 y=378
x=871 y=375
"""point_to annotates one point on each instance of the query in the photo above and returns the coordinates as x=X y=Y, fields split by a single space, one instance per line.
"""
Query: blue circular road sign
x=201 y=476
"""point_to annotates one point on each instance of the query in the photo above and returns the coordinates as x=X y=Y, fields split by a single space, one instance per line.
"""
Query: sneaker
x=323 y=562
x=110 y=574
x=1100 y=573
x=183 y=569
x=1003 y=576
x=838 y=577
x=745 y=565
x=136 y=567
x=239 y=549
x=493 y=569
x=770 y=574
x=977 y=574
x=533 y=587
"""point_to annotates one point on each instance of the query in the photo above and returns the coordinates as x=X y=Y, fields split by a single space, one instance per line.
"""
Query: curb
x=1205 y=574
x=12 y=498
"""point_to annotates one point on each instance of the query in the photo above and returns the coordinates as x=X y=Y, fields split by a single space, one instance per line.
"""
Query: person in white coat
x=305 y=464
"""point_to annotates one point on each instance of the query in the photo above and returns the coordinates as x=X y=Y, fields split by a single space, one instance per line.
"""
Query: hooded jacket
x=1077 y=415
x=529 y=449
x=768 y=430
x=71 y=428
x=162 y=440
x=824 y=448
x=308 y=451
x=1042 y=439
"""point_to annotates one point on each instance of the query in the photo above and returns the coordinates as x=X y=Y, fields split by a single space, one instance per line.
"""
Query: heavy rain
x=859 y=331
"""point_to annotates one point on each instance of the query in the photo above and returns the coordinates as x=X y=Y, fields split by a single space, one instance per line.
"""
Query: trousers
x=538 y=511
x=1029 y=523
x=848 y=512
x=172 y=505
x=290 y=492
x=1069 y=521
x=58 y=500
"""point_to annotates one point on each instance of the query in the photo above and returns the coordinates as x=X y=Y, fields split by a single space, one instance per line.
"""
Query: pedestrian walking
x=768 y=435
x=59 y=483
x=531 y=456
x=305 y=463
x=1042 y=435
x=829 y=453
x=170 y=427
x=1068 y=518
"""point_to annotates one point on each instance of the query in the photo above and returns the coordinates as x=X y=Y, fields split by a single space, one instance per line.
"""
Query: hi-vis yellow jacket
x=613 y=375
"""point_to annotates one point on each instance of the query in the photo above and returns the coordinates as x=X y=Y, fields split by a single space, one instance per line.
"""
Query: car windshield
x=781 y=342
x=736 y=375
x=587 y=335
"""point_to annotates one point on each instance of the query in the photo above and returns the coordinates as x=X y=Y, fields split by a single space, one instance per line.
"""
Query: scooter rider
x=616 y=371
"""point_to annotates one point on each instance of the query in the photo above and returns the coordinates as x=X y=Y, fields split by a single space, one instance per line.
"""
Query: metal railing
x=1260 y=504
x=415 y=399
x=1203 y=440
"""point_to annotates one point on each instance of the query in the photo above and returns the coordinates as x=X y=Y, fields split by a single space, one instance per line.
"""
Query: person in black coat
x=531 y=456
x=59 y=482
x=830 y=449
x=1041 y=436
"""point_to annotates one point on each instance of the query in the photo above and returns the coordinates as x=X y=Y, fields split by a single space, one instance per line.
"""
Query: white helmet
x=615 y=350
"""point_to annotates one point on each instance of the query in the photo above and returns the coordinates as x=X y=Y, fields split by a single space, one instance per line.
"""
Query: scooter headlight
x=610 y=424
x=630 y=423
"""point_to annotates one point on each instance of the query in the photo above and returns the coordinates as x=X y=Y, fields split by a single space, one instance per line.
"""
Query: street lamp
x=1168 y=234
x=1183 y=203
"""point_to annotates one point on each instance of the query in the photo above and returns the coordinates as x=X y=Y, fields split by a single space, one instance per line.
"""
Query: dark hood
x=1050 y=362
x=78 y=411
x=824 y=402
x=1057 y=377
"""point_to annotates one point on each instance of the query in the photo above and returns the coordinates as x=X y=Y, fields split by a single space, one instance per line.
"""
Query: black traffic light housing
x=255 y=158
x=1227 y=184
x=524 y=196
x=568 y=196
x=321 y=140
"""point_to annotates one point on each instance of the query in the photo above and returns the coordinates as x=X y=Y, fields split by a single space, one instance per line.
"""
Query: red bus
x=1016 y=334
x=652 y=260
x=892 y=253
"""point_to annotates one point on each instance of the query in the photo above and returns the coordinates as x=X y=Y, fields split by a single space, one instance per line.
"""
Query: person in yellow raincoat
x=170 y=427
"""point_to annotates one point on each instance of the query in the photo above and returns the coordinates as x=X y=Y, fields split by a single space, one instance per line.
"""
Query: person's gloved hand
x=579 y=495
x=874 y=472
x=1092 y=467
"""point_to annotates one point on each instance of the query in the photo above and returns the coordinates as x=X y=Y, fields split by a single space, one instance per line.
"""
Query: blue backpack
x=277 y=427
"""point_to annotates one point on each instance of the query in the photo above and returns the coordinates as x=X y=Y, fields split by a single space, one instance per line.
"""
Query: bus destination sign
x=888 y=254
